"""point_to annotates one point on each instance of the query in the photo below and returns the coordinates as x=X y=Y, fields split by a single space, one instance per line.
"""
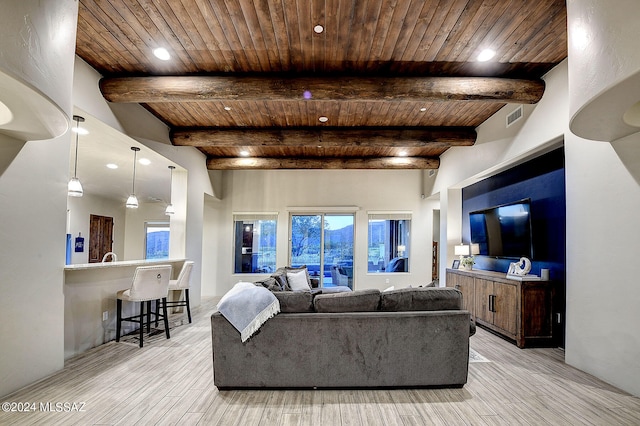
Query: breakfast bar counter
x=90 y=300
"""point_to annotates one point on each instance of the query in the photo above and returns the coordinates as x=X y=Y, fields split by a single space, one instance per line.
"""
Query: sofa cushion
x=298 y=280
x=421 y=299
x=353 y=301
x=295 y=301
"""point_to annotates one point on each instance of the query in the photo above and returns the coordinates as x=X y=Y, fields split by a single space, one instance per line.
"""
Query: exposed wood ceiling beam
x=407 y=137
x=255 y=88
x=323 y=163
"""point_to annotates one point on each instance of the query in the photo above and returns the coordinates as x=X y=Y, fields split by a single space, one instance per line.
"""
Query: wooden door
x=483 y=290
x=505 y=307
x=100 y=237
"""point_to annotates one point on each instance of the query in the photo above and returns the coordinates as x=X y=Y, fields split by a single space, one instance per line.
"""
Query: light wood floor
x=171 y=382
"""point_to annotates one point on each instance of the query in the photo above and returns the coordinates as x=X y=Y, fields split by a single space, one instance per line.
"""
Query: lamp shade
x=462 y=250
x=74 y=188
x=132 y=202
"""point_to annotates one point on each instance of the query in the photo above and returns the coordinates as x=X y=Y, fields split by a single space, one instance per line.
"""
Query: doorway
x=324 y=243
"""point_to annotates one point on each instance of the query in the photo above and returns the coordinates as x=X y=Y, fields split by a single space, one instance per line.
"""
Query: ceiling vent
x=514 y=116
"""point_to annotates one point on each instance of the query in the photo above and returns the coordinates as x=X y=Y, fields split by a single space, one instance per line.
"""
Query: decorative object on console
x=468 y=262
x=456 y=264
x=521 y=273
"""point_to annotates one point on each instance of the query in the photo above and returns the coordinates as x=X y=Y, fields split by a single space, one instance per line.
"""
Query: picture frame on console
x=456 y=264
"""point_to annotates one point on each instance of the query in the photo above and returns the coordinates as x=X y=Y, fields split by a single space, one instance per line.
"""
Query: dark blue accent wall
x=543 y=181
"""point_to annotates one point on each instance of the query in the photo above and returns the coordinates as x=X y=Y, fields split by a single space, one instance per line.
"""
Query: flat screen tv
x=503 y=231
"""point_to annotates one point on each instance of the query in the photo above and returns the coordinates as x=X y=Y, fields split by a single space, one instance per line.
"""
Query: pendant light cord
x=75 y=167
x=133 y=186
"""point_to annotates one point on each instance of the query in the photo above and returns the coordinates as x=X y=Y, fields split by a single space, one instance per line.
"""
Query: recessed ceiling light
x=244 y=153
x=403 y=153
x=423 y=109
x=162 y=53
x=486 y=54
x=323 y=119
x=144 y=161
x=318 y=29
x=227 y=108
x=112 y=166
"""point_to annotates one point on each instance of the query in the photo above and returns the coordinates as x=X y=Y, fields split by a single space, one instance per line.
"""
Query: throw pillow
x=270 y=284
x=280 y=275
x=353 y=301
x=298 y=281
x=299 y=268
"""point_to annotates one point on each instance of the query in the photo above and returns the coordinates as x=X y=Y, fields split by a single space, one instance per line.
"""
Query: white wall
x=33 y=197
x=283 y=190
x=603 y=192
x=603 y=200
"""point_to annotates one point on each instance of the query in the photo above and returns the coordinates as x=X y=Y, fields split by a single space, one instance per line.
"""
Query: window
x=255 y=243
x=324 y=243
x=388 y=248
x=157 y=240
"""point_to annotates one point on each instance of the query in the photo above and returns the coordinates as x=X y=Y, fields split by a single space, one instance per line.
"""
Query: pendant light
x=74 y=188
x=170 y=210
x=132 y=201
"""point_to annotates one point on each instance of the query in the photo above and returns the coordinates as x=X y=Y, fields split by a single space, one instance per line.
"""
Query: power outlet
x=105 y=315
x=386 y=281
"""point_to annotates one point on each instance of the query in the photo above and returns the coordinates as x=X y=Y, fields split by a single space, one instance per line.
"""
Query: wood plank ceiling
x=248 y=80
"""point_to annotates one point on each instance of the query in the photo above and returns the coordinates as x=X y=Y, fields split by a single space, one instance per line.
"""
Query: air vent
x=514 y=116
x=432 y=173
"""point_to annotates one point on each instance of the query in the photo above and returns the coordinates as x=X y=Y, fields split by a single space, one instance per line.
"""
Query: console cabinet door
x=465 y=285
x=506 y=307
x=483 y=294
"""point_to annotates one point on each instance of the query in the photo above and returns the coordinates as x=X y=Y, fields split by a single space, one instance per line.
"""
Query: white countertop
x=121 y=263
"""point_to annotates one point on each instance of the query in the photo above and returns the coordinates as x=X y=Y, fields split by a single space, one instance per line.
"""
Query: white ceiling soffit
x=28 y=115
x=603 y=117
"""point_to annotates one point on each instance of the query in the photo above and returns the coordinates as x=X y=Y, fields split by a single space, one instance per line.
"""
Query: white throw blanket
x=247 y=306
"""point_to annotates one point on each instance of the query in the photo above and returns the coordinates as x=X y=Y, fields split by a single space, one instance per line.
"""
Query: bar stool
x=180 y=284
x=150 y=283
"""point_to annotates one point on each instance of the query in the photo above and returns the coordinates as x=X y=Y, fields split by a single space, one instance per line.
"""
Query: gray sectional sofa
x=413 y=337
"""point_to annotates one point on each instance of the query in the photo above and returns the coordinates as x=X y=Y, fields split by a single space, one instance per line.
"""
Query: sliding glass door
x=324 y=242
